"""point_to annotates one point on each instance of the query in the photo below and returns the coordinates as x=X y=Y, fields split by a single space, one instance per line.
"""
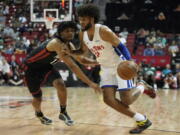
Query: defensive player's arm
x=80 y=53
x=57 y=47
x=109 y=36
x=85 y=60
x=75 y=68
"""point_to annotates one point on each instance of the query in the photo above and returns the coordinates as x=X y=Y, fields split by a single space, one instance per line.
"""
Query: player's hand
x=96 y=88
x=65 y=50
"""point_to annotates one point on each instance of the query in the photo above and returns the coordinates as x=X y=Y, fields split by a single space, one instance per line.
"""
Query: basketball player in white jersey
x=109 y=52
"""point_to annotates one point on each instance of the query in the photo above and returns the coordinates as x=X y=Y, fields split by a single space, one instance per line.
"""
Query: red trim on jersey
x=39 y=58
x=47 y=54
x=34 y=58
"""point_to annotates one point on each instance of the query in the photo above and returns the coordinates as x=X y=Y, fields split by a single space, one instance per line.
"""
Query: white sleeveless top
x=104 y=51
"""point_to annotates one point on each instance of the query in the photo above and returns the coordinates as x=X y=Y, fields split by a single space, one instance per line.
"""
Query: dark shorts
x=35 y=78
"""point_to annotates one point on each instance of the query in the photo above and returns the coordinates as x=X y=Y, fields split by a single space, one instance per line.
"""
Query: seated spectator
x=150 y=40
x=167 y=70
x=161 y=17
x=159 y=52
x=22 y=19
x=13 y=62
x=170 y=81
x=23 y=28
x=140 y=39
x=5 y=70
x=8 y=32
x=148 y=51
x=16 y=79
x=173 y=48
x=9 y=49
x=149 y=74
x=6 y=10
x=26 y=42
x=160 y=42
x=32 y=46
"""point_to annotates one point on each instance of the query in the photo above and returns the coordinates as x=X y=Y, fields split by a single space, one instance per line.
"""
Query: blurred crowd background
x=149 y=28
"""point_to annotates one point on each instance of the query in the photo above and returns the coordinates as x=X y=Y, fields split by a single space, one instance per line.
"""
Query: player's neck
x=90 y=32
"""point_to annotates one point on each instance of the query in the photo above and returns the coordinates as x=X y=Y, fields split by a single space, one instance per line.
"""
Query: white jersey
x=109 y=58
x=104 y=51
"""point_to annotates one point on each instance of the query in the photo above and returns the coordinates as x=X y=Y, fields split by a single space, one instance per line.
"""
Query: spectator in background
x=161 y=22
x=6 y=10
x=170 y=81
x=161 y=17
x=9 y=49
x=9 y=32
x=149 y=74
x=167 y=70
x=32 y=46
x=23 y=28
x=16 y=79
x=159 y=45
x=160 y=42
x=22 y=19
x=175 y=54
x=151 y=39
x=173 y=48
x=148 y=51
x=5 y=70
x=140 y=39
x=26 y=42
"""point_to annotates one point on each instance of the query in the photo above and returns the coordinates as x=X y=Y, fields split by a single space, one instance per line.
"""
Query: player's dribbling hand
x=96 y=88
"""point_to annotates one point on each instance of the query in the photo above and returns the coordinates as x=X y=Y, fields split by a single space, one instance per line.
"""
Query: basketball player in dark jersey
x=38 y=69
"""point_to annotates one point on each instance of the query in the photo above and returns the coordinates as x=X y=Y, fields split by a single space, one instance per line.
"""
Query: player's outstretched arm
x=57 y=46
x=75 y=68
x=86 y=61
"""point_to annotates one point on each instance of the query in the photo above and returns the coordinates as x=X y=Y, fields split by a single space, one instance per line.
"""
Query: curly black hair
x=66 y=24
x=89 y=10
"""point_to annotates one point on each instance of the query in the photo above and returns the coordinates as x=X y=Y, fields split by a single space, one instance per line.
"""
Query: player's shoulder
x=105 y=32
x=54 y=44
x=55 y=41
x=105 y=28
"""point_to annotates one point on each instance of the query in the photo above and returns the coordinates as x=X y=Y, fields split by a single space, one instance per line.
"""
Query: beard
x=88 y=26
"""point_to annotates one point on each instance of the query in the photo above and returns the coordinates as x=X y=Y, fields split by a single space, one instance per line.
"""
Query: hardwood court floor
x=91 y=115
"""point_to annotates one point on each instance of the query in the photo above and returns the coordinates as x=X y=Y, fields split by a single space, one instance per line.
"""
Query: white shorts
x=110 y=78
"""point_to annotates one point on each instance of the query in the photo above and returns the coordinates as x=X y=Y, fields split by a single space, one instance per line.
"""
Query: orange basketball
x=127 y=70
